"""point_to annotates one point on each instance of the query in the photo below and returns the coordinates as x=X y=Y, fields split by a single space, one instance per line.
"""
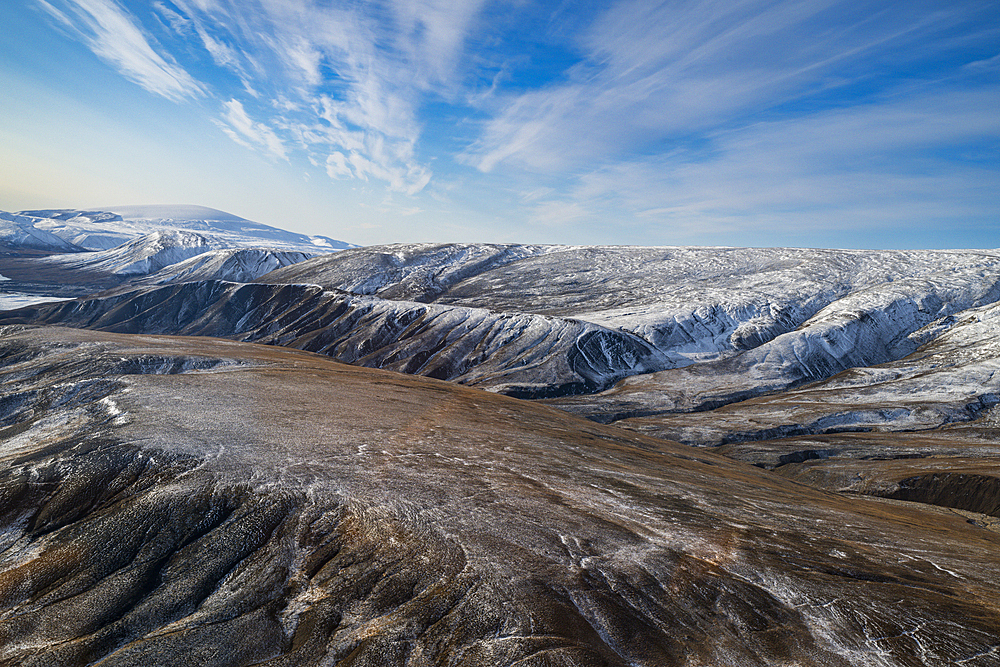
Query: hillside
x=177 y=500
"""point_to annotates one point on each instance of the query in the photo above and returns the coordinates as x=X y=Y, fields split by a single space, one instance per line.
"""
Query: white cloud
x=337 y=167
x=657 y=72
x=431 y=34
x=840 y=169
x=115 y=37
x=346 y=79
x=985 y=65
x=556 y=213
x=179 y=24
x=244 y=130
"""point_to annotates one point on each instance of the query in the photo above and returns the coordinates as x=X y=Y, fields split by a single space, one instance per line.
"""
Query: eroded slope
x=179 y=501
x=518 y=354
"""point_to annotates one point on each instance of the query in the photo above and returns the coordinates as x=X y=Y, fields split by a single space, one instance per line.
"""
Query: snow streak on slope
x=19 y=231
x=517 y=354
x=232 y=264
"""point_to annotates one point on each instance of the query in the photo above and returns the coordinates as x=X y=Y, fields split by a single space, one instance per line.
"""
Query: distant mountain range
x=76 y=230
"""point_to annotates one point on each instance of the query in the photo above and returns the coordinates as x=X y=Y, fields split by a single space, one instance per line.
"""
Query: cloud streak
x=884 y=164
x=112 y=34
x=656 y=72
x=349 y=79
x=247 y=132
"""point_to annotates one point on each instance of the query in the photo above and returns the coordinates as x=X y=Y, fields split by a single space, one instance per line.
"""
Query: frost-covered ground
x=178 y=501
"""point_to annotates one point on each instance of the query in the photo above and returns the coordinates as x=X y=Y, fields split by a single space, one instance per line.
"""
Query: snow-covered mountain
x=686 y=328
x=517 y=353
x=141 y=256
x=20 y=232
x=232 y=264
x=176 y=256
x=693 y=304
x=112 y=226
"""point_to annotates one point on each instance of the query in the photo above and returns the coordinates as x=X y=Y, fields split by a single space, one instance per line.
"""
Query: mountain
x=693 y=304
x=18 y=232
x=50 y=253
x=518 y=354
x=178 y=501
x=231 y=264
x=731 y=456
x=141 y=256
x=690 y=328
x=110 y=227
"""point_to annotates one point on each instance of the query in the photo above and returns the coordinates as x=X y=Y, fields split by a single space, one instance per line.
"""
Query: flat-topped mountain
x=112 y=226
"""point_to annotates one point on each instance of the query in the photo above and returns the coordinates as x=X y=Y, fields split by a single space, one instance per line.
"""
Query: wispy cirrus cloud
x=349 y=80
x=689 y=115
x=346 y=79
x=659 y=72
x=115 y=37
x=250 y=133
x=889 y=163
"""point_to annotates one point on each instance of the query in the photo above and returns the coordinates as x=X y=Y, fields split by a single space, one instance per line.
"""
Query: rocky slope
x=950 y=376
x=689 y=329
x=734 y=324
x=518 y=354
x=693 y=304
x=194 y=501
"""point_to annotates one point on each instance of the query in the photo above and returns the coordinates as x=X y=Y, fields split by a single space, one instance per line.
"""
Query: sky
x=807 y=123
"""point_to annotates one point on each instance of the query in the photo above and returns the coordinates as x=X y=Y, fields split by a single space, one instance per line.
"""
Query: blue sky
x=740 y=122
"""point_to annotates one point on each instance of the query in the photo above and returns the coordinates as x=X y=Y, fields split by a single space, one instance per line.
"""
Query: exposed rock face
x=194 y=501
x=518 y=354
